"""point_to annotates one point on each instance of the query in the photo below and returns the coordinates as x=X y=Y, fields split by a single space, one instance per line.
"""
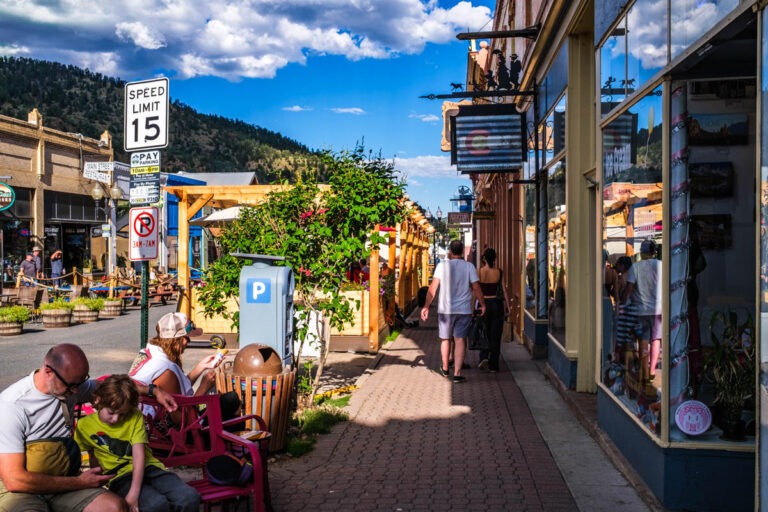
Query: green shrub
x=14 y=314
x=95 y=304
x=298 y=446
x=57 y=304
x=319 y=420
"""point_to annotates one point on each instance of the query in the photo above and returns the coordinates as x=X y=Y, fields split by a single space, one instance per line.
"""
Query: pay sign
x=143 y=239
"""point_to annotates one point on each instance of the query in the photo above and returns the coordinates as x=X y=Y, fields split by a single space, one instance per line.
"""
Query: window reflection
x=690 y=20
x=632 y=226
x=635 y=51
x=530 y=249
x=556 y=239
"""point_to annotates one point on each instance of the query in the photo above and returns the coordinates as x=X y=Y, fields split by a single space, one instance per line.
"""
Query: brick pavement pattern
x=418 y=442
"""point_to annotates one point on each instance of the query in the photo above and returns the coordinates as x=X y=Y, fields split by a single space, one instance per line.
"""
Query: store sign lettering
x=7 y=196
x=617 y=160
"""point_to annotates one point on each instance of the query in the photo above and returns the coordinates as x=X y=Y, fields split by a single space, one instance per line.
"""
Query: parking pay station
x=266 y=304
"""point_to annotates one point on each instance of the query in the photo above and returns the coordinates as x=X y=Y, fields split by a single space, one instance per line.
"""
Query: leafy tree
x=318 y=231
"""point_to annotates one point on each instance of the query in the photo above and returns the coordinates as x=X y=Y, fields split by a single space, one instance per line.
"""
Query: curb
x=604 y=442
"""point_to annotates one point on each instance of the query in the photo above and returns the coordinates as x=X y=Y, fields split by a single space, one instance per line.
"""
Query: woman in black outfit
x=496 y=309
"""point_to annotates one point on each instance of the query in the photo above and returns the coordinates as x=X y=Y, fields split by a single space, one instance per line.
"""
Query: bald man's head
x=68 y=357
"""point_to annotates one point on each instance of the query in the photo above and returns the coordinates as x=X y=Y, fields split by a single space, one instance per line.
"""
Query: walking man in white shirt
x=460 y=284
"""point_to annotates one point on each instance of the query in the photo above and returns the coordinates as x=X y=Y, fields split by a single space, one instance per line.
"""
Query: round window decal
x=7 y=196
x=693 y=418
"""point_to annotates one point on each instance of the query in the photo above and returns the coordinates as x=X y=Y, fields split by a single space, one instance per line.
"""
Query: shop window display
x=556 y=239
x=632 y=225
x=530 y=249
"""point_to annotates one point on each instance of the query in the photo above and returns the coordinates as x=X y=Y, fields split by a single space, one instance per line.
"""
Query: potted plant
x=57 y=313
x=112 y=307
x=86 y=309
x=12 y=320
x=730 y=365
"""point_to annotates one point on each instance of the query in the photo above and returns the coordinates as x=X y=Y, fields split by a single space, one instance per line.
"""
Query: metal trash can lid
x=257 y=360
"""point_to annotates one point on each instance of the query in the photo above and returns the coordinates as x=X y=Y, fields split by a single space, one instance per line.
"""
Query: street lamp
x=99 y=193
x=438 y=237
x=439 y=214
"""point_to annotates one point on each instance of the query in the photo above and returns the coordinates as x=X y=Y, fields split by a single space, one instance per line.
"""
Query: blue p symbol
x=258 y=291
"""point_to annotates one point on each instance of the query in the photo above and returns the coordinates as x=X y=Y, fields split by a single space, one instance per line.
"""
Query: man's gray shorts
x=453 y=325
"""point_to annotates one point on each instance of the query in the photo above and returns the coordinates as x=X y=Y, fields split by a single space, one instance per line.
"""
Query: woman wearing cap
x=160 y=362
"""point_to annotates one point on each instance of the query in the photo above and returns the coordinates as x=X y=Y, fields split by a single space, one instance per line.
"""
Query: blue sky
x=327 y=73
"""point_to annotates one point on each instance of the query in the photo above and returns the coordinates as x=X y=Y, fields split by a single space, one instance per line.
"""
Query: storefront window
x=632 y=224
x=712 y=263
x=690 y=20
x=634 y=52
x=530 y=249
x=763 y=255
x=556 y=240
x=16 y=244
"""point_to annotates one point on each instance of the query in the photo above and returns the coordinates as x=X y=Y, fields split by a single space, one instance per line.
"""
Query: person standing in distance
x=460 y=284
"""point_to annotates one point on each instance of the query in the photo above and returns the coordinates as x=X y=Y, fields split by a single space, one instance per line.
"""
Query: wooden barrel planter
x=11 y=328
x=84 y=315
x=112 y=308
x=268 y=396
x=53 y=318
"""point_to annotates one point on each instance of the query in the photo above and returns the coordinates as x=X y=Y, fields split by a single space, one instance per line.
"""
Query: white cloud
x=141 y=35
x=13 y=50
x=349 y=110
x=426 y=118
x=427 y=167
x=232 y=39
x=296 y=108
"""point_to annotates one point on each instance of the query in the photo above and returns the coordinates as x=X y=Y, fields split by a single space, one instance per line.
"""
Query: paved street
x=110 y=344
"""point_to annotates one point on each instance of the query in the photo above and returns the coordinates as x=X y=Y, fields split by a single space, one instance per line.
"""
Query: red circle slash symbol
x=143 y=224
x=477 y=142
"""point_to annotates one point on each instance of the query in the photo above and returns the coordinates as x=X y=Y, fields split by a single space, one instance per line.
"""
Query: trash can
x=264 y=388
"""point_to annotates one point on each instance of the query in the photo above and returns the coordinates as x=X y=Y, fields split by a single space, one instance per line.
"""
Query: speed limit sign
x=146 y=114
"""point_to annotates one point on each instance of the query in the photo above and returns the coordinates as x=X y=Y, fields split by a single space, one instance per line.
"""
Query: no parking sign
x=143 y=233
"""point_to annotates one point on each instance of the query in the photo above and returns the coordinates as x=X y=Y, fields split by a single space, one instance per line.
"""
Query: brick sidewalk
x=418 y=442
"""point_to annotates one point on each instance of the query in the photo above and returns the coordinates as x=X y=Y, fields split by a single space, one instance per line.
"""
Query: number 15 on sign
x=146 y=115
x=143 y=234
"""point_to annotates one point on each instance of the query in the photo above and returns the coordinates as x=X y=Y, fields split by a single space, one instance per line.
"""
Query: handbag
x=478 y=334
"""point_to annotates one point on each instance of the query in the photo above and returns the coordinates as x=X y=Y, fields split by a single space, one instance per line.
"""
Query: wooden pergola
x=191 y=200
x=413 y=254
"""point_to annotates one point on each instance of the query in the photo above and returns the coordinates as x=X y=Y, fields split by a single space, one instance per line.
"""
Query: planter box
x=361 y=316
x=53 y=318
x=84 y=315
x=11 y=328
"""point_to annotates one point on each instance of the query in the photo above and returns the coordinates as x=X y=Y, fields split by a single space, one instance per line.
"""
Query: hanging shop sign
x=484 y=215
x=488 y=139
x=459 y=219
x=7 y=196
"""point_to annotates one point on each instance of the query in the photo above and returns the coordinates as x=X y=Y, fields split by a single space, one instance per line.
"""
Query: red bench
x=200 y=436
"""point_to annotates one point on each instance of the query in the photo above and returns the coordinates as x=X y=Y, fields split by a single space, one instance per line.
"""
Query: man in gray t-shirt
x=458 y=283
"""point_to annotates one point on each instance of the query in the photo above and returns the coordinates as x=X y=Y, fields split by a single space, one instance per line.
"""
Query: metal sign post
x=147 y=107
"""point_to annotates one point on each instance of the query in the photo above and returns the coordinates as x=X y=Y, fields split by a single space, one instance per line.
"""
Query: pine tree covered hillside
x=79 y=101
